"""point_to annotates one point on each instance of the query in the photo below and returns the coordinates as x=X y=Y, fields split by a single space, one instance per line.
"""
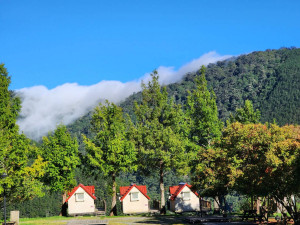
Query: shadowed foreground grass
x=122 y=220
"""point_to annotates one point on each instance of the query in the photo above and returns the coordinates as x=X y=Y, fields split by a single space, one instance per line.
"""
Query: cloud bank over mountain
x=43 y=109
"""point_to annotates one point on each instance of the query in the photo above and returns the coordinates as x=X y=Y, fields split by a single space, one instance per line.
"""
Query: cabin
x=134 y=199
x=81 y=200
x=183 y=199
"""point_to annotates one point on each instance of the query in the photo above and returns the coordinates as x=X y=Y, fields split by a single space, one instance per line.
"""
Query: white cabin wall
x=180 y=205
x=140 y=206
x=87 y=206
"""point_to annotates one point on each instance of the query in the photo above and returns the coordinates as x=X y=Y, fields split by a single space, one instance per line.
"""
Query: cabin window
x=186 y=196
x=79 y=197
x=134 y=196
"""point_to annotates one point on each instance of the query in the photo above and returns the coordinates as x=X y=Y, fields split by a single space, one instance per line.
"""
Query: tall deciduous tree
x=60 y=151
x=18 y=158
x=264 y=161
x=246 y=114
x=160 y=133
x=110 y=151
x=246 y=147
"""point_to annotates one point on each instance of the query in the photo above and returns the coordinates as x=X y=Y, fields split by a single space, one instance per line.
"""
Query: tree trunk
x=4 y=200
x=63 y=211
x=221 y=202
x=296 y=218
x=258 y=203
x=64 y=197
x=224 y=210
x=113 y=211
x=218 y=202
x=294 y=214
x=162 y=189
x=200 y=204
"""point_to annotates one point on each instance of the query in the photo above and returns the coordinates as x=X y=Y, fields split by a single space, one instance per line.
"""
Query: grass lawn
x=119 y=220
x=58 y=220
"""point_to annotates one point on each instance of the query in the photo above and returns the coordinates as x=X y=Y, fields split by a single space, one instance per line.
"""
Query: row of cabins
x=134 y=199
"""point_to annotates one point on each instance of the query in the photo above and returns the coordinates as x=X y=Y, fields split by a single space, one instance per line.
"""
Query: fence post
x=14 y=216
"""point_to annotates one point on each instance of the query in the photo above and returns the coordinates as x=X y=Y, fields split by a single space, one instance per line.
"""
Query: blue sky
x=55 y=42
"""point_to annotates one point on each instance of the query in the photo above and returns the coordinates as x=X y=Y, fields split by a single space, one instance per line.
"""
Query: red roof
x=88 y=189
x=175 y=190
x=125 y=190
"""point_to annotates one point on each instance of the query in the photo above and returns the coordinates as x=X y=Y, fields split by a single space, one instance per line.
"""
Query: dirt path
x=87 y=222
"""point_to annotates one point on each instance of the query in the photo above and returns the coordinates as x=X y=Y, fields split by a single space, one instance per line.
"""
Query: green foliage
x=264 y=161
x=202 y=109
x=48 y=205
x=110 y=151
x=160 y=132
x=209 y=172
x=245 y=114
x=270 y=79
x=247 y=147
x=18 y=158
x=80 y=127
x=160 y=129
x=60 y=151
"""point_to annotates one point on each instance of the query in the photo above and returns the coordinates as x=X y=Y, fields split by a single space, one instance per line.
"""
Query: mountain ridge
x=270 y=79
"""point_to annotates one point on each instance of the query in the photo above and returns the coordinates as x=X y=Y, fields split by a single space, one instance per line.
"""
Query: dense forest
x=270 y=79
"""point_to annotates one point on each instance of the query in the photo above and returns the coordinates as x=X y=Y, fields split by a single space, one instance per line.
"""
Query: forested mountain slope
x=270 y=79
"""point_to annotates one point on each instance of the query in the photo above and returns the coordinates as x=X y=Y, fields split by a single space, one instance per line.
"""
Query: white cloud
x=44 y=109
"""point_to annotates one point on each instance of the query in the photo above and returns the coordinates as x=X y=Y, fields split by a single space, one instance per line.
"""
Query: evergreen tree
x=160 y=133
x=110 y=150
x=18 y=158
x=209 y=174
x=245 y=114
x=205 y=125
